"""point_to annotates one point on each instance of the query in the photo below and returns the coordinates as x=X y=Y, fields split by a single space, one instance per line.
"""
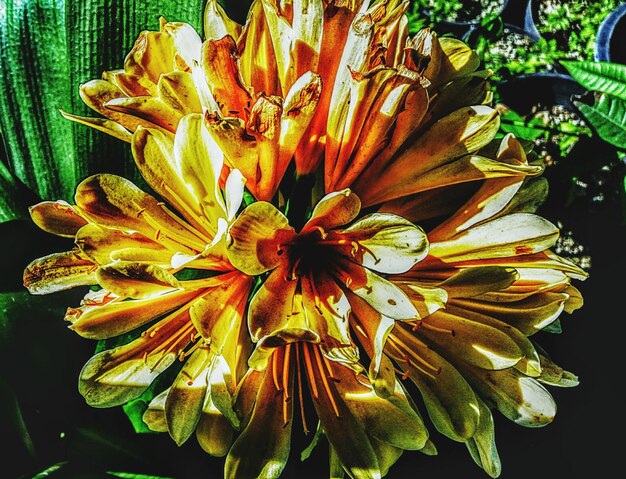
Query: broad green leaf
x=608 y=117
x=34 y=74
x=605 y=77
x=47 y=49
x=11 y=207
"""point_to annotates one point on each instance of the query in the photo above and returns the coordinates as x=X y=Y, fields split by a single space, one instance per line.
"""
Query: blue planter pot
x=610 y=43
x=460 y=29
x=521 y=16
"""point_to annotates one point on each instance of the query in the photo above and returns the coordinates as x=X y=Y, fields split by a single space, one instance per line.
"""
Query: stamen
x=426 y=325
x=286 y=372
x=300 y=395
x=309 y=370
x=275 y=371
x=329 y=392
x=322 y=232
x=330 y=370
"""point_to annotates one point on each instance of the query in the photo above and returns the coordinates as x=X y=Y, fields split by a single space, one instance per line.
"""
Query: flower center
x=309 y=253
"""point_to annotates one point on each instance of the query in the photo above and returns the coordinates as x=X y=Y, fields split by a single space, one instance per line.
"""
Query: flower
x=389 y=233
x=159 y=267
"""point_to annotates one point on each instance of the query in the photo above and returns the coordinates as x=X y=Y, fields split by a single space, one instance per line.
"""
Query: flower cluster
x=335 y=230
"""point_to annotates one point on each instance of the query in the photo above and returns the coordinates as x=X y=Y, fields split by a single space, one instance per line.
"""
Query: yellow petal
x=463 y=131
x=217 y=24
x=58 y=272
x=200 y=161
x=152 y=110
x=154 y=415
x=510 y=235
x=482 y=446
x=106 y=320
x=327 y=310
x=213 y=432
x=219 y=311
x=391 y=420
x=255 y=238
x=262 y=449
x=520 y=398
x=57 y=217
x=113 y=201
x=340 y=425
x=186 y=397
x=378 y=292
x=219 y=61
x=151 y=55
x=451 y=403
x=115 y=376
x=136 y=280
x=99 y=243
x=109 y=127
x=476 y=343
x=335 y=209
x=178 y=91
x=471 y=282
x=389 y=243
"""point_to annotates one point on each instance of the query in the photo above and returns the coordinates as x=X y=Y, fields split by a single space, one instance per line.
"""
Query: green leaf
x=512 y=122
x=554 y=327
x=11 y=207
x=608 y=118
x=34 y=74
x=50 y=471
x=47 y=49
x=605 y=77
x=131 y=475
x=135 y=409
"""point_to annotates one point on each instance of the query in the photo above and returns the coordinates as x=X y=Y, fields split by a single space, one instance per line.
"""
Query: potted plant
x=610 y=45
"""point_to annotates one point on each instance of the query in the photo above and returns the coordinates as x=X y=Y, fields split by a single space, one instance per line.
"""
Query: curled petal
x=57 y=217
x=335 y=209
x=255 y=238
x=378 y=292
x=390 y=244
